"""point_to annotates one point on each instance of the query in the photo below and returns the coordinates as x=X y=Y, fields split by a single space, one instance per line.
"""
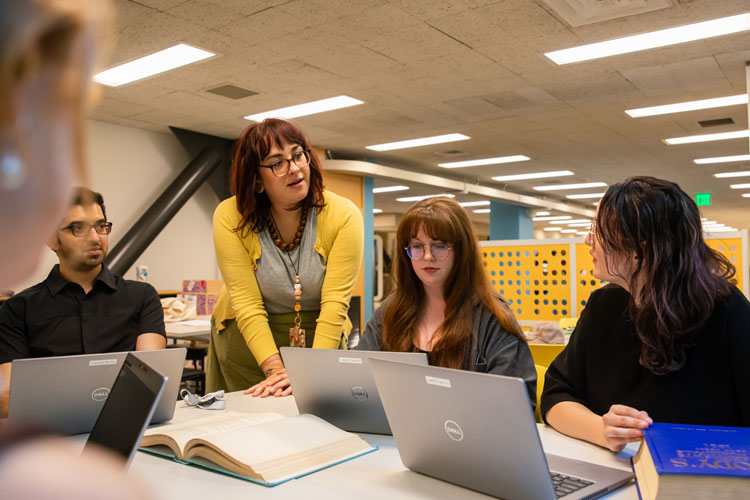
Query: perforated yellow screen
x=534 y=279
x=732 y=250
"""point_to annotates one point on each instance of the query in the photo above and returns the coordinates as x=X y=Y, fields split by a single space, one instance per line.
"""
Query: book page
x=277 y=439
x=207 y=428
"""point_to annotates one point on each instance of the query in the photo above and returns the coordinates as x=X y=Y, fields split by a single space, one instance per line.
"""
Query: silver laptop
x=66 y=393
x=478 y=431
x=337 y=386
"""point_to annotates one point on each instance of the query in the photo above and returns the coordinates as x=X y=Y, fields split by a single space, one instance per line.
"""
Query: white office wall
x=131 y=167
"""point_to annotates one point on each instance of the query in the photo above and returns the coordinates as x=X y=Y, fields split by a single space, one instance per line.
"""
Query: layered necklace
x=296 y=333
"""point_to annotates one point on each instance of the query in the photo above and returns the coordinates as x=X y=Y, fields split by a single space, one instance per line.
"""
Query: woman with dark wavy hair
x=667 y=340
x=442 y=302
x=289 y=253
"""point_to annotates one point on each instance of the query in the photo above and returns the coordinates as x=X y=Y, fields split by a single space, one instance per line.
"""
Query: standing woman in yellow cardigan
x=289 y=253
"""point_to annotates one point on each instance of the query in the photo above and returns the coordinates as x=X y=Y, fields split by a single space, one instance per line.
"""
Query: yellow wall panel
x=731 y=248
x=534 y=279
x=585 y=281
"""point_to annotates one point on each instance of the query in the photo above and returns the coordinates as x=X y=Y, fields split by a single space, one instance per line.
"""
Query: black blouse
x=599 y=367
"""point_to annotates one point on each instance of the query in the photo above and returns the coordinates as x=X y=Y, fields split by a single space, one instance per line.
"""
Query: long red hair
x=467 y=283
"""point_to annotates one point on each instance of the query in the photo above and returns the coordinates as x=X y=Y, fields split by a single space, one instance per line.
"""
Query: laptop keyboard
x=565 y=485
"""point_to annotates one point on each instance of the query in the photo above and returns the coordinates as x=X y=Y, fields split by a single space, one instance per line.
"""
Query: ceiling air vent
x=582 y=12
x=231 y=91
x=453 y=153
x=716 y=122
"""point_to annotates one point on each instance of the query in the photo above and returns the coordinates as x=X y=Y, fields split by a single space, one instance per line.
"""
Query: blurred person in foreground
x=47 y=52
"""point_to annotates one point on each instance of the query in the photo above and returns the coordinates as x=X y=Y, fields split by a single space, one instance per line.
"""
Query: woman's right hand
x=277 y=384
x=622 y=425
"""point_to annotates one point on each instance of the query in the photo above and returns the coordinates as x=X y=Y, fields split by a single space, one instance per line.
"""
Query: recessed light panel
x=652 y=40
x=724 y=175
x=533 y=175
x=152 y=64
x=485 y=161
x=665 y=109
x=739 y=134
x=563 y=187
x=390 y=189
x=415 y=143
x=721 y=159
x=420 y=198
x=308 y=108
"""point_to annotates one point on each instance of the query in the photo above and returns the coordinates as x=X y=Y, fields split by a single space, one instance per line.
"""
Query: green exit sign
x=703 y=199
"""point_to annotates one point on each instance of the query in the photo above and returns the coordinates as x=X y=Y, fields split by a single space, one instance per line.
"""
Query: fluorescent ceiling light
x=377 y=210
x=740 y=186
x=665 y=109
x=719 y=230
x=580 y=224
x=308 y=108
x=389 y=189
x=539 y=214
x=709 y=222
x=414 y=143
x=744 y=173
x=584 y=195
x=474 y=203
x=562 y=187
x=572 y=221
x=721 y=159
x=552 y=217
x=582 y=233
x=569 y=231
x=738 y=134
x=654 y=39
x=596 y=203
x=419 y=198
x=552 y=229
x=481 y=211
x=152 y=64
x=485 y=161
x=746 y=195
x=536 y=175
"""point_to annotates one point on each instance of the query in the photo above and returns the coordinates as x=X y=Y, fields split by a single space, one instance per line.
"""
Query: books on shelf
x=266 y=448
x=678 y=461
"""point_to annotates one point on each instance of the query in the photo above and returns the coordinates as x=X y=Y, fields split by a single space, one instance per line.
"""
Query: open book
x=267 y=448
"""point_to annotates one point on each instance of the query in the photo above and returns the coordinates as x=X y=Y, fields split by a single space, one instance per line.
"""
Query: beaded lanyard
x=296 y=334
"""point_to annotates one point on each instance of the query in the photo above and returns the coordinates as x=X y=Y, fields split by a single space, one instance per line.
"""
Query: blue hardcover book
x=265 y=448
x=677 y=461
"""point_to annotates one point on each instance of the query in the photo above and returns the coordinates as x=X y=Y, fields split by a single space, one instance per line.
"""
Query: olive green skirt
x=230 y=364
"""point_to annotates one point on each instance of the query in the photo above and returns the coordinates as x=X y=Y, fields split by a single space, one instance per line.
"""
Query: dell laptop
x=66 y=393
x=337 y=385
x=478 y=431
x=131 y=404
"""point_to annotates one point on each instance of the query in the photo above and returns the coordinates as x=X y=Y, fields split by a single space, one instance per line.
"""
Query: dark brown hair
x=467 y=284
x=677 y=279
x=253 y=145
x=84 y=196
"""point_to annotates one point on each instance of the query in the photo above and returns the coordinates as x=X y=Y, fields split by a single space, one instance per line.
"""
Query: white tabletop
x=198 y=328
x=376 y=475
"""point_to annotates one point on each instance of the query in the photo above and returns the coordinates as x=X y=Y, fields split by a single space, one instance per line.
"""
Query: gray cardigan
x=492 y=349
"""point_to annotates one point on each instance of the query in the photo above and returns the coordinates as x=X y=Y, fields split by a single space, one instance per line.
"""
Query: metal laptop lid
x=476 y=430
x=66 y=393
x=128 y=409
x=338 y=387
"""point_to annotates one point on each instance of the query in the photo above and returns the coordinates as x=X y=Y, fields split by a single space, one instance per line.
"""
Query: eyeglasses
x=281 y=166
x=438 y=250
x=592 y=228
x=82 y=229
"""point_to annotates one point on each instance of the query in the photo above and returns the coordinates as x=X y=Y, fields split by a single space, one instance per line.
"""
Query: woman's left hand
x=277 y=384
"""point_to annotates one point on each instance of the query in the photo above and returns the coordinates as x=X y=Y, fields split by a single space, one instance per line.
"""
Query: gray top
x=492 y=349
x=275 y=273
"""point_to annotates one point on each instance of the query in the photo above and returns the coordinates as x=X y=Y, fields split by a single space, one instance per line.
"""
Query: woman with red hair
x=289 y=253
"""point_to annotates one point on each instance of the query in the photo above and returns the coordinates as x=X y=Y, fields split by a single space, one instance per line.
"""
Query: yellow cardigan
x=339 y=241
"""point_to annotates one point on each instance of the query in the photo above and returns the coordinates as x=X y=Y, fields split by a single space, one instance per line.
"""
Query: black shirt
x=56 y=318
x=599 y=367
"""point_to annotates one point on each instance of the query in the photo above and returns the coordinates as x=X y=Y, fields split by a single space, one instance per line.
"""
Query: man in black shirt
x=81 y=307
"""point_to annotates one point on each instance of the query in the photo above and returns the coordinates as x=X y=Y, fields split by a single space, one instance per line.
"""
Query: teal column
x=369 y=247
x=510 y=222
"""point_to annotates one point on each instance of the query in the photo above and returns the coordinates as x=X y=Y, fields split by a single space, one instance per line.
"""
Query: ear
x=259 y=186
x=54 y=243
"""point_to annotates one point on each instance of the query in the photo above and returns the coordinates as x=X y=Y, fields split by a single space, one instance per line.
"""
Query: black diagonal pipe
x=158 y=215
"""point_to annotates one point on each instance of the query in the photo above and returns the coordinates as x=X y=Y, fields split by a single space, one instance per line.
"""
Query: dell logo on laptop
x=359 y=393
x=453 y=430
x=100 y=394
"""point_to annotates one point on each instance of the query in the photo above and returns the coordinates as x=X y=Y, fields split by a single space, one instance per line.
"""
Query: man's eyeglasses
x=82 y=229
x=438 y=250
x=281 y=166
